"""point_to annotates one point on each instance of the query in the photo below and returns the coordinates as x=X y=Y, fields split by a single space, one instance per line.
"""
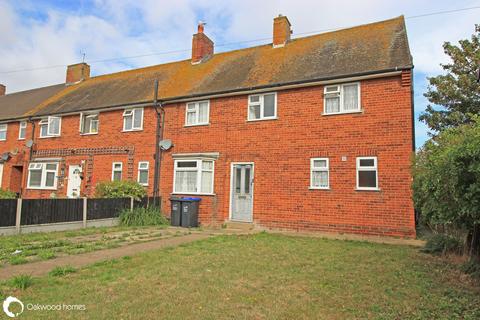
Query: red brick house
x=313 y=133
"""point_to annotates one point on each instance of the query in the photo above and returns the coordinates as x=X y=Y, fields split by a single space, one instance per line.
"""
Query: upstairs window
x=319 y=173
x=143 y=173
x=197 y=113
x=3 y=132
x=367 y=173
x=89 y=123
x=343 y=98
x=262 y=106
x=133 y=119
x=42 y=175
x=117 y=168
x=50 y=127
x=22 y=130
x=193 y=176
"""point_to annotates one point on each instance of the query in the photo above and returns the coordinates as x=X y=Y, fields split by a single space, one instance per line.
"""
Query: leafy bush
x=447 y=182
x=22 y=281
x=120 y=189
x=442 y=244
x=7 y=194
x=472 y=267
x=142 y=217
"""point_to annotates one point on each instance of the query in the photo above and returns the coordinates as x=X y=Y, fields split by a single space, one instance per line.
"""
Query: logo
x=6 y=306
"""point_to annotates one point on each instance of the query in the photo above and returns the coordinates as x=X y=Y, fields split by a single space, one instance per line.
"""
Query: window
x=22 y=130
x=342 y=98
x=143 y=173
x=50 y=127
x=3 y=132
x=367 y=177
x=42 y=175
x=89 y=123
x=133 y=119
x=262 y=106
x=319 y=173
x=197 y=113
x=117 y=171
x=193 y=176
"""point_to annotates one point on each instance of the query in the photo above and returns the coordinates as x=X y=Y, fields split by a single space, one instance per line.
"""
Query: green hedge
x=120 y=189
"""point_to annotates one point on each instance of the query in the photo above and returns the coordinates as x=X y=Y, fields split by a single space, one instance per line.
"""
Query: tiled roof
x=363 y=49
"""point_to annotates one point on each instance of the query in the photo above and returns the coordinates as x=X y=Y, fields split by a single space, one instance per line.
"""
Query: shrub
x=7 y=194
x=442 y=244
x=61 y=271
x=472 y=267
x=120 y=189
x=142 y=217
x=22 y=281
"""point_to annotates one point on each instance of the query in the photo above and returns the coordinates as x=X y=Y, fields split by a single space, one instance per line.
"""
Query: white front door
x=74 y=181
x=242 y=192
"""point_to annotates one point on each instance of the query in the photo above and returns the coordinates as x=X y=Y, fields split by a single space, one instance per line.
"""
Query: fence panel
x=106 y=208
x=39 y=211
x=8 y=212
x=147 y=202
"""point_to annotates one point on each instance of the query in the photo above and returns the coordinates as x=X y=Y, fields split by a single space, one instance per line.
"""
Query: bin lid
x=192 y=199
x=175 y=199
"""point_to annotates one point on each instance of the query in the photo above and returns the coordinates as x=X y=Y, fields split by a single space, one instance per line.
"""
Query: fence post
x=85 y=212
x=18 y=217
x=131 y=203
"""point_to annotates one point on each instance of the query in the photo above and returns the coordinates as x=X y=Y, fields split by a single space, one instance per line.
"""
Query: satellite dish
x=5 y=156
x=165 y=144
x=29 y=143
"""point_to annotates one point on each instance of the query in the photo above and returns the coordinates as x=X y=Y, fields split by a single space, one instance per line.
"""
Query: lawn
x=43 y=246
x=262 y=276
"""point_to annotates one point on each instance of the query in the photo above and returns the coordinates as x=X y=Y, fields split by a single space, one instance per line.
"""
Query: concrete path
x=43 y=267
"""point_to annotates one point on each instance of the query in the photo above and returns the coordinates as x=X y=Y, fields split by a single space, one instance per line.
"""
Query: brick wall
x=281 y=150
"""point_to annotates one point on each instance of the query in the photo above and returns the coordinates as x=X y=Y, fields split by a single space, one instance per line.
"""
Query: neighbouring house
x=313 y=133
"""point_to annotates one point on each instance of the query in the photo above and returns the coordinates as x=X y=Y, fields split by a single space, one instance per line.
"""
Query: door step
x=239 y=225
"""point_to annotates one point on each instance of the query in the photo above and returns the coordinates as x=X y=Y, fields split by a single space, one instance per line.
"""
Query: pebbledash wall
x=280 y=149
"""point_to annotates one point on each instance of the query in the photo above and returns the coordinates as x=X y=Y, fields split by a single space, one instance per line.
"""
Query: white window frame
x=339 y=92
x=143 y=169
x=199 y=169
x=116 y=170
x=262 y=106
x=22 y=125
x=83 y=117
x=369 y=168
x=43 y=167
x=318 y=169
x=47 y=121
x=130 y=112
x=196 y=106
x=4 y=128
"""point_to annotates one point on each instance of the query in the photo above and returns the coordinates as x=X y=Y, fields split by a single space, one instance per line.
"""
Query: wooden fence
x=31 y=212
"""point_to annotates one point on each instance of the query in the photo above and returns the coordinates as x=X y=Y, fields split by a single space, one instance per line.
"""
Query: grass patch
x=149 y=216
x=17 y=259
x=266 y=276
x=61 y=271
x=46 y=255
x=22 y=281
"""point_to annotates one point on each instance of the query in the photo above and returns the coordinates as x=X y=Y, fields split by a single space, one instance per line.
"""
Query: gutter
x=248 y=90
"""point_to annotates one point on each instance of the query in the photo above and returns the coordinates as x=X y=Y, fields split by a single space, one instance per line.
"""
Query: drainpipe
x=158 y=137
x=33 y=137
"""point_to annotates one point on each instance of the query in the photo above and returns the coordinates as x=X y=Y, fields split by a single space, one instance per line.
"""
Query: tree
x=457 y=92
x=447 y=181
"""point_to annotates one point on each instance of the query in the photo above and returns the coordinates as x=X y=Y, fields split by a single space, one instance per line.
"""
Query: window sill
x=263 y=119
x=20 y=139
x=340 y=113
x=193 y=194
x=40 y=188
x=197 y=125
x=368 y=189
x=133 y=130
x=318 y=188
x=49 y=137
x=3 y=140
x=89 y=134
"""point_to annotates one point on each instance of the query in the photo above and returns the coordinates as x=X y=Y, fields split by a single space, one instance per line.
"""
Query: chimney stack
x=77 y=73
x=3 y=89
x=281 y=31
x=202 y=46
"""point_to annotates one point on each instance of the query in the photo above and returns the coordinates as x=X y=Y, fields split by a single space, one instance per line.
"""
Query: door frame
x=231 y=189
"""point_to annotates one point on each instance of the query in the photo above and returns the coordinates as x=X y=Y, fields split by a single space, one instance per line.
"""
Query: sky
x=38 y=34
